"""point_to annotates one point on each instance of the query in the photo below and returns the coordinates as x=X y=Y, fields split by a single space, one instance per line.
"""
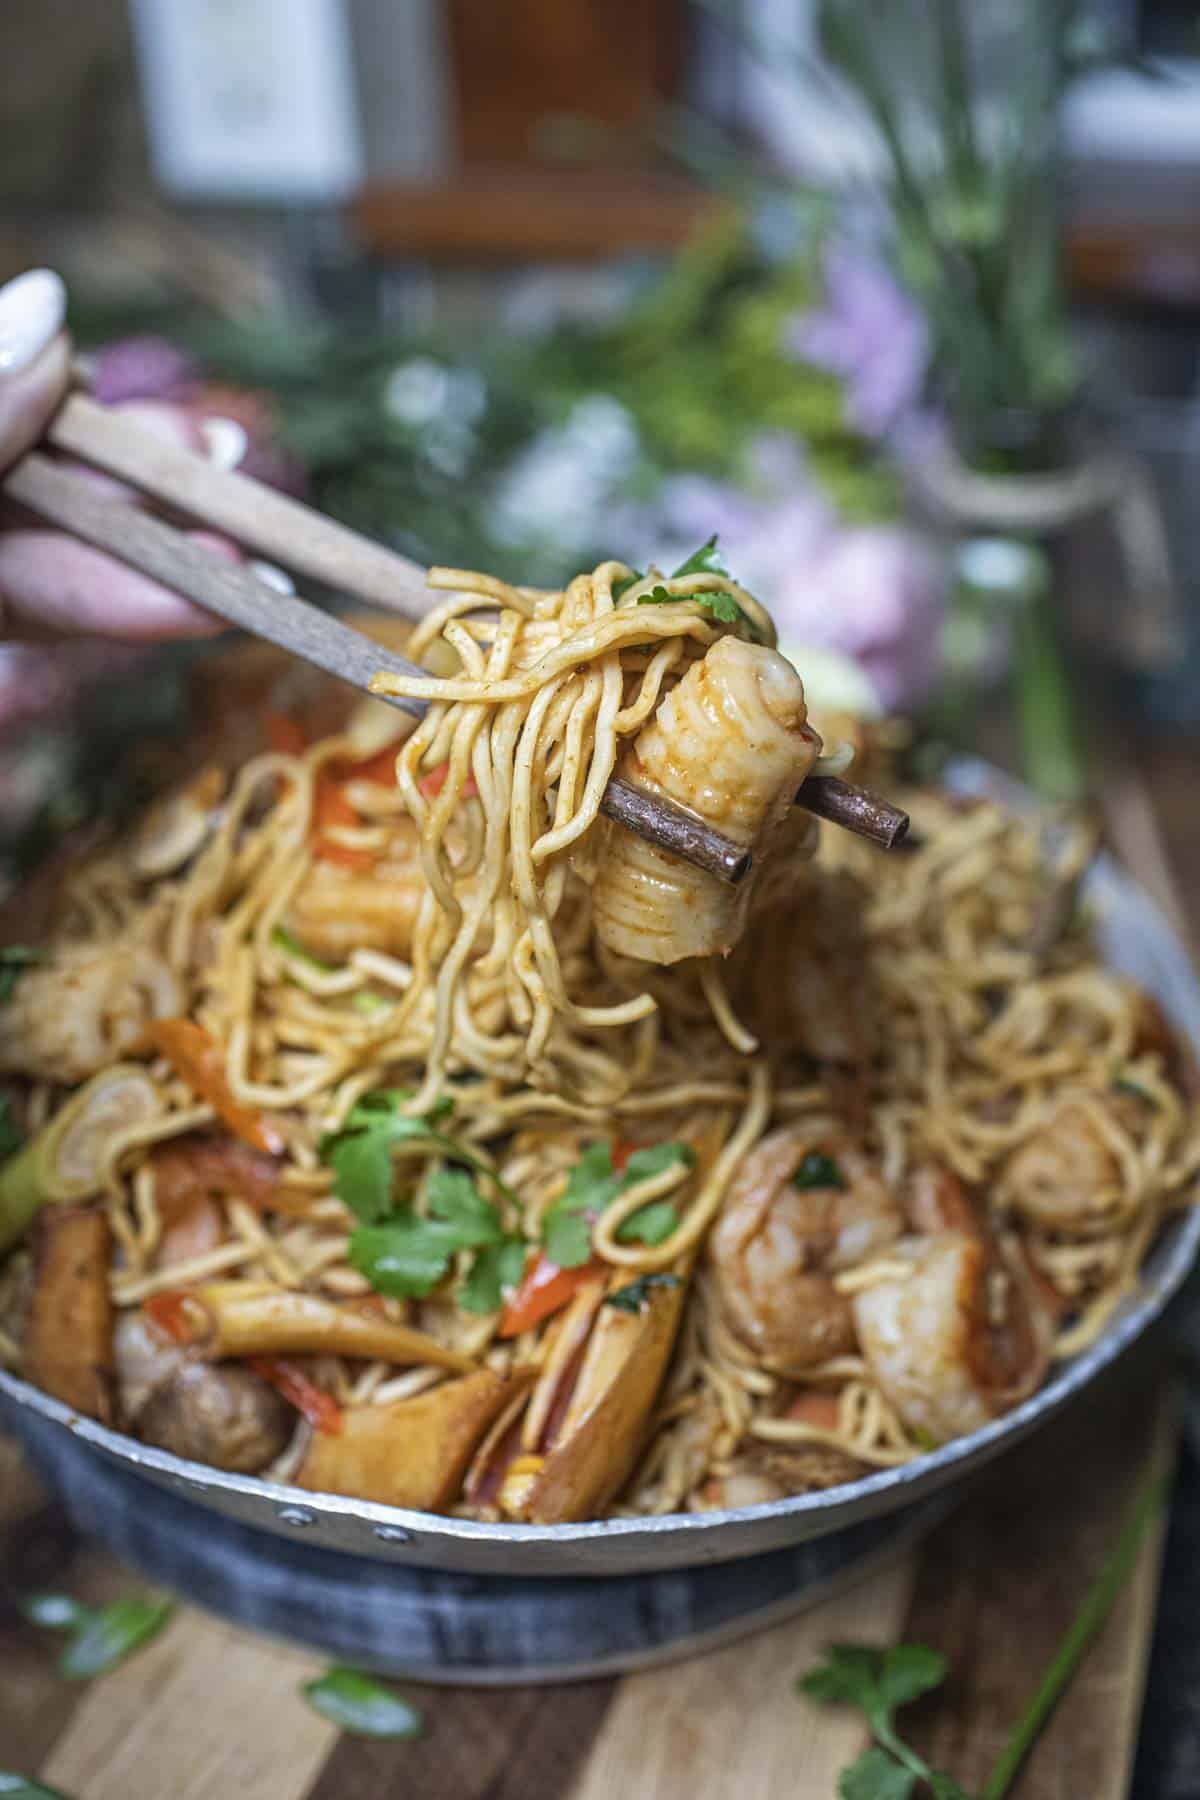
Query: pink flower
x=874 y=593
x=142 y=368
x=869 y=334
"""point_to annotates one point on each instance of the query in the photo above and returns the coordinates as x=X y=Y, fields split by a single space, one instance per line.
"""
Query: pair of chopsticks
x=271 y=525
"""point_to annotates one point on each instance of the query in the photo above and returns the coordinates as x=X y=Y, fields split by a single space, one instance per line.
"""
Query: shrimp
x=957 y=1340
x=339 y=910
x=777 y=1246
x=732 y=744
x=1066 y=1177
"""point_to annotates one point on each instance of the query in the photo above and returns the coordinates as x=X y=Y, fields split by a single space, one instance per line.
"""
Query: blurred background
x=902 y=302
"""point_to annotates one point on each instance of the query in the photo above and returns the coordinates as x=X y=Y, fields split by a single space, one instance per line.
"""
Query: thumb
x=35 y=358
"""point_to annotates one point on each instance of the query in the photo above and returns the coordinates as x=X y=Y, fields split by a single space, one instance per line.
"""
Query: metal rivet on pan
x=393 y=1534
x=296 y=1515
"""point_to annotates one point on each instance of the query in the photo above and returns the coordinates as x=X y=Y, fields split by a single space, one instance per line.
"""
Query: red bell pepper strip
x=197 y=1058
x=319 y=1408
x=545 y=1289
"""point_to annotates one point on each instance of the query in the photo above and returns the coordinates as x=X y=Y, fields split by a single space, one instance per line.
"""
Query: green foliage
x=361 y=1705
x=593 y=1185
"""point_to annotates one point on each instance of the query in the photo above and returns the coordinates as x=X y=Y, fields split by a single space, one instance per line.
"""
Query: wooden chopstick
x=255 y=516
x=235 y=593
x=260 y=519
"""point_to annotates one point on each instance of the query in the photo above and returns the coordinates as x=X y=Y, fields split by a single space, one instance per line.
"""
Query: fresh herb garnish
x=704 y=561
x=361 y=1153
x=100 y=1637
x=408 y=1255
x=19 y=1787
x=818 y=1171
x=707 y=560
x=360 y=1704
x=496 y=1271
x=11 y=1135
x=14 y=959
x=593 y=1185
x=721 y=605
x=633 y=1298
x=879 y=1682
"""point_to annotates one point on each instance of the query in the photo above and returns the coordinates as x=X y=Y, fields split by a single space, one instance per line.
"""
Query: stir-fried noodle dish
x=383 y=1119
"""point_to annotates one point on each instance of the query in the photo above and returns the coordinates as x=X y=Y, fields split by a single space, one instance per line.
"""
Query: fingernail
x=272 y=577
x=32 y=310
x=225 y=440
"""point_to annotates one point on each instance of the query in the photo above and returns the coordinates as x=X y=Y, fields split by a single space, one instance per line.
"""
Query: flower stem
x=1051 y=752
x=1097 y=1604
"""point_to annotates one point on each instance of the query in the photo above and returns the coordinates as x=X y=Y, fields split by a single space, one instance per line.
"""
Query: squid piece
x=340 y=910
x=958 y=1340
x=777 y=1245
x=731 y=742
x=72 y=1015
x=172 y=830
x=68 y=1348
x=589 y=1413
x=65 y=1160
x=244 y=1318
x=411 y=1452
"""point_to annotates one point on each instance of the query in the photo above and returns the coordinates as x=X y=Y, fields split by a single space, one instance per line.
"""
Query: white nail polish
x=273 y=577
x=32 y=310
x=225 y=441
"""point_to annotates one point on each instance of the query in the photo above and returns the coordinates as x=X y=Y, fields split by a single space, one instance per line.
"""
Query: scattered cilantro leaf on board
x=361 y=1705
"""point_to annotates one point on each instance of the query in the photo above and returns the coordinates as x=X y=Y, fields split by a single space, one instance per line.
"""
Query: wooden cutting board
x=207 y=1711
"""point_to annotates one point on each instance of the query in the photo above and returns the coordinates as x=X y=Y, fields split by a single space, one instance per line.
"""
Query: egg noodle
x=506 y=1043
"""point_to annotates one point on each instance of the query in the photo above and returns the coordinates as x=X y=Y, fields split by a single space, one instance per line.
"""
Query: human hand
x=51 y=585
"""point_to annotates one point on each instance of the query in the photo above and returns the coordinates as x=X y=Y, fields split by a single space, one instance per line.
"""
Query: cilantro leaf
x=100 y=1637
x=876 y=1776
x=654 y=1159
x=567 y=1238
x=706 y=560
x=623 y=585
x=454 y=1198
x=848 y=1675
x=18 y=1787
x=14 y=958
x=909 y=1671
x=361 y=1153
x=362 y=1174
x=405 y=1257
x=636 y=1295
x=360 y=1704
x=496 y=1271
x=650 y=1224
x=818 y=1171
x=721 y=605
x=593 y=1185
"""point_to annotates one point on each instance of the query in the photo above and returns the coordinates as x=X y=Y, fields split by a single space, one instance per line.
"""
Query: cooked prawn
x=958 y=1339
x=776 y=1247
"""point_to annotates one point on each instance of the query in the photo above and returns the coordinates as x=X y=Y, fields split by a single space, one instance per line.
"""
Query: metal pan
x=1133 y=937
